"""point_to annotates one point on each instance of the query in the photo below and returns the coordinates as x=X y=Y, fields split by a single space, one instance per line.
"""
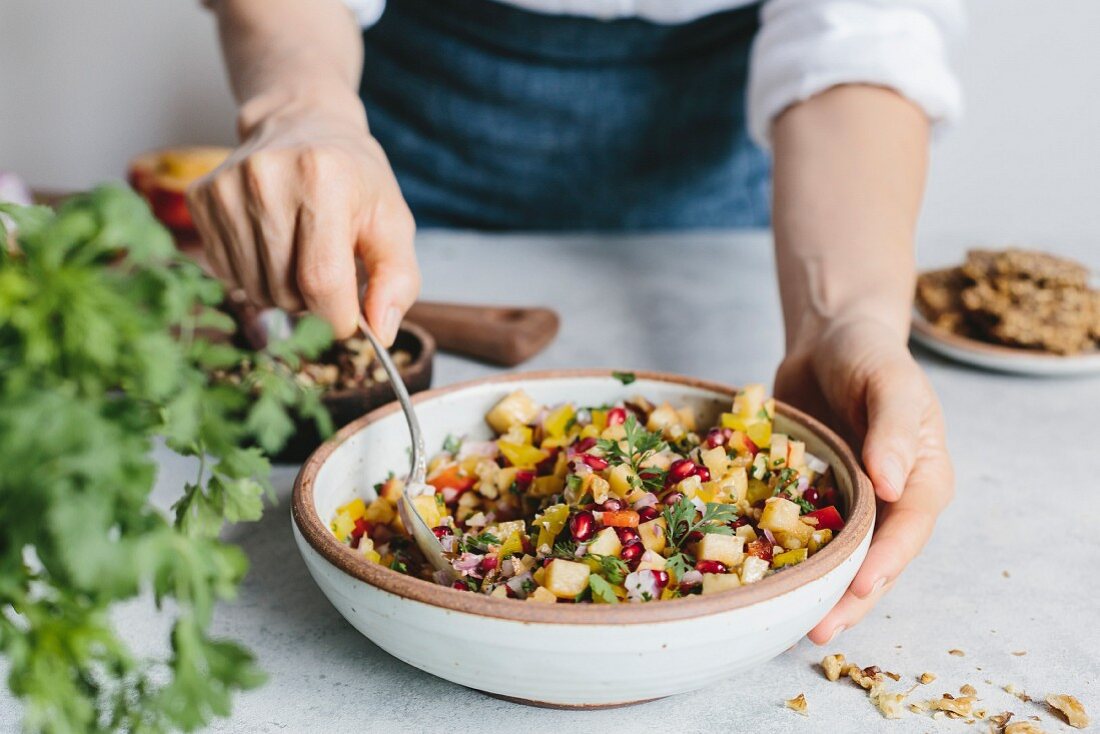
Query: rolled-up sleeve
x=367 y=12
x=807 y=46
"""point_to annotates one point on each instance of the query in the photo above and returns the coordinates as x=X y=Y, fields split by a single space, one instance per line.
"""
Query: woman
x=611 y=114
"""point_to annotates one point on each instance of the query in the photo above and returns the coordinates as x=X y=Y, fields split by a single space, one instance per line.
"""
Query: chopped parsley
x=681 y=522
x=452 y=444
x=624 y=377
x=601 y=589
x=640 y=445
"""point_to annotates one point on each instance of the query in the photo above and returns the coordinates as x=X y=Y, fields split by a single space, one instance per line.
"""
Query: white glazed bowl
x=656 y=649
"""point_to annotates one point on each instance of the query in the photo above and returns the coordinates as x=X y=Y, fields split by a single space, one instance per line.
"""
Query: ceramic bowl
x=542 y=653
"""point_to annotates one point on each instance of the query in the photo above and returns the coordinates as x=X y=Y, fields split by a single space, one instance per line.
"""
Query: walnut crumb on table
x=956 y=652
x=926 y=678
x=798 y=704
x=1024 y=727
x=1070 y=708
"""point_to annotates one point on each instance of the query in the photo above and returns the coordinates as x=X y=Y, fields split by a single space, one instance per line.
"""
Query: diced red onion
x=803 y=483
x=467 y=563
x=487 y=449
x=646 y=500
x=448 y=542
x=769 y=536
x=692 y=577
x=516 y=582
x=699 y=504
x=441 y=578
x=641 y=586
x=815 y=464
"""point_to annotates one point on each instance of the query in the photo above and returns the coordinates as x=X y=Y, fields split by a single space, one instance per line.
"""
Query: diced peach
x=726 y=549
x=515 y=409
x=716 y=582
x=654 y=534
x=566 y=579
x=606 y=543
x=780 y=515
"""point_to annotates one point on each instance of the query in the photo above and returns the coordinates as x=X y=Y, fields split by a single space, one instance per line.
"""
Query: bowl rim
x=315 y=532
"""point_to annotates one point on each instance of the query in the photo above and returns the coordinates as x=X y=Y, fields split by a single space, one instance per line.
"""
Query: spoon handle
x=419 y=465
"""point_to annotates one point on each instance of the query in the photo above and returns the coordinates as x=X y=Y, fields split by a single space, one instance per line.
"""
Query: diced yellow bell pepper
x=513 y=545
x=734 y=421
x=550 y=523
x=515 y=409
x=522 y=456
x=589 y=431
x=355 y=509
x=342 y=525
x=760 y=434
x=749 y=400
x=789 y=558
x=599 y=419
x=556 y=422
x=546 y=486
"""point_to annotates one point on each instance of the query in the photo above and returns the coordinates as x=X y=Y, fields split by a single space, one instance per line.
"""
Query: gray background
x=85 y=85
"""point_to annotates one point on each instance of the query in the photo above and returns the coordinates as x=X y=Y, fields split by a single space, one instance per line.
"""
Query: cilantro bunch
x=105 y=344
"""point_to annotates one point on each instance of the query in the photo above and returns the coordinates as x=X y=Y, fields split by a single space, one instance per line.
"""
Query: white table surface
x=1026 y=452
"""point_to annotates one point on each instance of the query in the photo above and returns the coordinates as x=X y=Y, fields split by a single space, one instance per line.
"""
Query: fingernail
x=837 y=631
x=875 y=588
x=893 y=475
x=390 y=323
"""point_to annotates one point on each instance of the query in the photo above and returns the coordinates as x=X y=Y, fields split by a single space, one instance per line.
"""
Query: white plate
x=1000 y=358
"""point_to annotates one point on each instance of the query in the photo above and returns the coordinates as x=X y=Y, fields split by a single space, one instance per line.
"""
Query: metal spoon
x=422 y=534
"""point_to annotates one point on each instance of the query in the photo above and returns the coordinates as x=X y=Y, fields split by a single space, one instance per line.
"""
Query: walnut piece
x=1024 y=727
x=833 y=666
x=1001 y=720
x=1070 y=708
x=798 y=704
x=957 y=653
x=890 y=704
x=926 y=678
x=968 y=690
x=948 y=703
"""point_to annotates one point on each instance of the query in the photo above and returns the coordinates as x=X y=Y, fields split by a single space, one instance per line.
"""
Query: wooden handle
x=496 y=334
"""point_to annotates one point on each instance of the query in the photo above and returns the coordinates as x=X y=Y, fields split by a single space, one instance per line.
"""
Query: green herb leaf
x=624 y=377
x=601 y=589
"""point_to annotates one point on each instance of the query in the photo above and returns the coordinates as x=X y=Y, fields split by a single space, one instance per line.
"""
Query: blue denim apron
x=495 y=117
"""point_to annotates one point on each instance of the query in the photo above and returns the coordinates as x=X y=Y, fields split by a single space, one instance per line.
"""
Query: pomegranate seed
x=460 y=585
x=632 y=554
x=584 y=444
x=616 y=416
x=488 y=563
x=355 y=539
x=680 y=470
x=524 y=477
x=751 y=446
x=546 y=562
x=739 y=522
x=703 y=473
x=811 y=496
x=695 y=536
x=674 y=498
x=718 y=437
x=638 y=411
x=598 y=463
x=686 y=588
x=528 y=546
x=710 y=567
x=612 y=505
x=627 y=535
x=442 y=531
x=582 y=526
x=661 y=578
x=648 y=513
x=510 y=592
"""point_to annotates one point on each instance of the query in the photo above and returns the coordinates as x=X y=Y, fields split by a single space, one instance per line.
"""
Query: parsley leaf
x=109 y=338
x=612 y=568
x=601 y=589
x=452 y=444
x=624 y=377
x=640 y=445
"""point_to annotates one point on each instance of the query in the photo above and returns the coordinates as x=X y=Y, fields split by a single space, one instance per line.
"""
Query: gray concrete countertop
x=1012 y=566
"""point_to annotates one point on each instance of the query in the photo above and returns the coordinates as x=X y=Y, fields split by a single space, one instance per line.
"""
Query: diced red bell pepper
x=828 y=518
x=761 y=548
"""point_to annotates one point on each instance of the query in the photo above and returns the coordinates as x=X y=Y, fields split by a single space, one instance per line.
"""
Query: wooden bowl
x=576 y=656
x=350 y=404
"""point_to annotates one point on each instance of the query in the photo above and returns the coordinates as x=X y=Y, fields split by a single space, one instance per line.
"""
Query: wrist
x=877 y=318
x=304 y=99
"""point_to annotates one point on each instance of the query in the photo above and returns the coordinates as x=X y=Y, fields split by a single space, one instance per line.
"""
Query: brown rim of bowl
x=427 y=354
x=860 y=520
x=921 y=324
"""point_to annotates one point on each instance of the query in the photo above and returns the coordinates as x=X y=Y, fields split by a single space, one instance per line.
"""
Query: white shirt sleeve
x=806 y=46
x=367 y=12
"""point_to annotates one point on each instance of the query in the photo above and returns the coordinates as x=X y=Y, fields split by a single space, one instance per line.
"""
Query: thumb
x=393 y=276
x=895 y=406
